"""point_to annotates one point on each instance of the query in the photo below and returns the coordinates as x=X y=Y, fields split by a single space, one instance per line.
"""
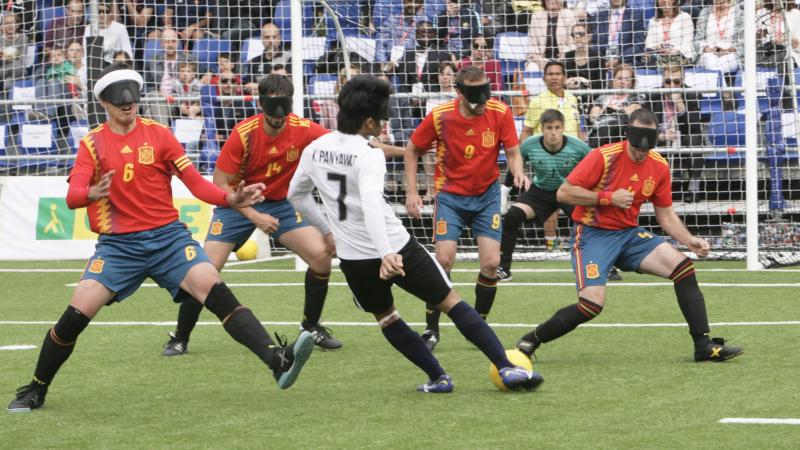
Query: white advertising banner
x=36 y=224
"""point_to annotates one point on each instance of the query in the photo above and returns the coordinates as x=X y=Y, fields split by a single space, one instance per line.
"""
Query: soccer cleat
x=717 y=351
x=503 y=274
x=323 y=337
x=175 y=346
x=444 y=385
x=430 y=338
x=29 y=397
x=517 y=378
x=526 y=347
x=292 y=358
x=613 y=275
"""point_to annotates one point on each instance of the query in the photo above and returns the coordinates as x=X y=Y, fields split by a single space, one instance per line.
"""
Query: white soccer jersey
x=349 y=176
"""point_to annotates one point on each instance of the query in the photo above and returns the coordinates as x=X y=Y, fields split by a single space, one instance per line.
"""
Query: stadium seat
x=534 y=82
x=207 y=51
x=23 y=89
x=726 y=130
x=283 y=18
x=321 y=84
x=363 y=46
x=763 y=74
x=77 y=130
x=37 y=138
x=47 y=15
x=511 y=49
x=648 y=79
x=210 y=149
x=696 y=77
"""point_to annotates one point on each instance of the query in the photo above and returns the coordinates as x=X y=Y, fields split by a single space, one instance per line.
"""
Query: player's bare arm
x=389 y=150
x=577 y=195
x=265 y=222
x=413 y=200
x=517 y=169
x=674 y=226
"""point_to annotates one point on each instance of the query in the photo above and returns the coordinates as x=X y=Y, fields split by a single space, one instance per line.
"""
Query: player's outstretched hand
x=102 y=188
x=265 y=222
x=699 y=246
x=414 y=205
x=622 y=198
x=522 y=182
x=392 y=266
x=245 y=196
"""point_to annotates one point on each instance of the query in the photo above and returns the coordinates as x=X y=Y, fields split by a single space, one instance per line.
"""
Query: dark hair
x=644 y=116
x=470 y=73
x=554 y=62
x=113 y=67
x=362 y=97
x=449 y=64
x=551 y=115
x=276 y=85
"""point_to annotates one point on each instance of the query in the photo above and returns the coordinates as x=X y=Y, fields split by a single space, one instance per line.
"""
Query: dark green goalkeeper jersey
x=550 y=169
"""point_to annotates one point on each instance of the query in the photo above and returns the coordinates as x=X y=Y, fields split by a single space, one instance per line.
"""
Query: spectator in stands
x=327 y=109
x=224 y=65
x=456 y=26
x=550 y=33
x=12 y=49
x=719 y=36
x=190 y=18
x=681 y=126
x=274 y=53
x=773 y=36
x=228 y=112
x=585 y=68
x=418 y=69
x=77 y=80
x=58 y=66
x=585 y=8
x=188 y=85
x=162 y=74
x=609 y=114
x=397 y=33
x=145 y=20
x=115 y=35
x=670 y=35
x=26 y=17
x=238 y=20
x=447 y=86
x=122 y=57
x=618 y=34
x=67 y=29
x=482 y=56
x=554 y=97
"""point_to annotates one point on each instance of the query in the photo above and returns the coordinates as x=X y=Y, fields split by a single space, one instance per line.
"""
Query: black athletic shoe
x=323 y=337
x=717 y=351
x=430 y=338
x=613 y=275
x=526 y=347
x=175 y=346
x=292 y=357
x=503 y=274
x=29 y=397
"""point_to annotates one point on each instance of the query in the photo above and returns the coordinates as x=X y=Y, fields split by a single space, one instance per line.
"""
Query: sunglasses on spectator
x=226 y=80
x=480 y=47
x=578 y=34
x=673 y=81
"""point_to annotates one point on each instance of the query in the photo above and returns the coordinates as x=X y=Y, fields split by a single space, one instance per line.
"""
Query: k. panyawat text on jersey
x=466 y=149
x=144 y=161
x=609 y=168
x=256 y=157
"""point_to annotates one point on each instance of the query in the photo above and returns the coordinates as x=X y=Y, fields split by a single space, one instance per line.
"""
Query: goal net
x=202 y=61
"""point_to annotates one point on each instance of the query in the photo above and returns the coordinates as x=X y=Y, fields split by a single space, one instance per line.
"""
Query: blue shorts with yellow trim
x=595 y=251
x=228 y=225
x=481 y=213
x=121 y=262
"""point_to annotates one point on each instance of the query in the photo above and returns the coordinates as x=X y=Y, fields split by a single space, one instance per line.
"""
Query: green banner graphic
x=54 y=220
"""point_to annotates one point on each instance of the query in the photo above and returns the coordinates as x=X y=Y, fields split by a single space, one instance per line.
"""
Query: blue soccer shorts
x=121 y=262
x=481 y=213
x=228 y=225
x=595 y=251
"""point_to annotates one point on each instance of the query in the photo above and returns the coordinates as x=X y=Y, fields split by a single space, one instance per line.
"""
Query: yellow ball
x=517 y=358
x=247 y=251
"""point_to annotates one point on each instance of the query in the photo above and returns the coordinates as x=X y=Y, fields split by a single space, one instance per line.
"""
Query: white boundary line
x=237 y=263
x=447 y=324
x=760 y=421
x=17 y=347
x=511 y=284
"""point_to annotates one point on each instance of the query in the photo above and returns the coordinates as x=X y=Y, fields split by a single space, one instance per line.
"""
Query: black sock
x=565 y=320
x=316 y=290
x=188 y=314
x=240 y=322
x=58 y=344
x=432 y=314
x=485 y=291
x=691 y=302
x=513 y=219
x=475 y=329
x=407 y=342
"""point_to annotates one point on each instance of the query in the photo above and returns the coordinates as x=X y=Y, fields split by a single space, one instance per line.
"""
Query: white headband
x=113 y=77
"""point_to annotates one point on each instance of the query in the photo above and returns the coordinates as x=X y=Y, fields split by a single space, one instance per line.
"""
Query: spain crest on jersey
x=292 y=154
x=146 y=155
x=488 y=138
x=649 y=187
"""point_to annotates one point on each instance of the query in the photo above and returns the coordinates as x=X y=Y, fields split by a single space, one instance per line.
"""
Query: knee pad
x=69 y=326
x=514 y=217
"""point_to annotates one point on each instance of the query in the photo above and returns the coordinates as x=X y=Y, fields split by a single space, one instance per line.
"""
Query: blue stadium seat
x=207 y=52
x=48 y=14
x=511 y=49
x=321 y=84
x=50 y=149
x=726 y=129
x=283 y=18
x=762 y=75
x=710 y=102
x=210 y=150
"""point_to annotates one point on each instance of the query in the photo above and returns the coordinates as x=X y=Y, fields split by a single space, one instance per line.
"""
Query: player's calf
x=563 y=321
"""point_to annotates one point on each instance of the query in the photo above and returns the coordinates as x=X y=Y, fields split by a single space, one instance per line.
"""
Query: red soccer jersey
x=609 y=168
x=145 y=159
x=466 y=149
x=255 y=157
